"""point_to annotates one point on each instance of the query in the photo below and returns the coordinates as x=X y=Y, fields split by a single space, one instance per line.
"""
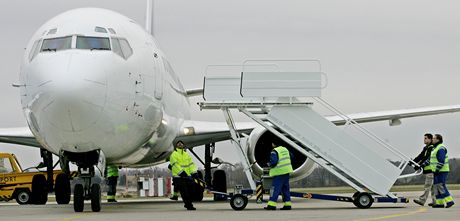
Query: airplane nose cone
x=73 y=96
x=76 y=110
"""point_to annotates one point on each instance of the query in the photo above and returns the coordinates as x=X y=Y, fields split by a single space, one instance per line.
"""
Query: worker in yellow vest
x=112 y=179
x=183 y=168
x=175 y=184
x=281 y=168
x=439 y=162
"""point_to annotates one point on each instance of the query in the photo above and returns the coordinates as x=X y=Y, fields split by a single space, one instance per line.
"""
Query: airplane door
x=159 y=70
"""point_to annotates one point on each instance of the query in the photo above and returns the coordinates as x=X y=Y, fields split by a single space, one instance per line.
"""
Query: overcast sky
x=378 y=55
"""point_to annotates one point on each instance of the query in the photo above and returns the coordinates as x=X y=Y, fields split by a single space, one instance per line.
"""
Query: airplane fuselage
x=92 y=79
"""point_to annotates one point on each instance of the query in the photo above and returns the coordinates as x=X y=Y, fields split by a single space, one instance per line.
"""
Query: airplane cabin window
x=126 y=48
x=56 y=44
x=100 y=29
x=93 y=43
x=112 y=31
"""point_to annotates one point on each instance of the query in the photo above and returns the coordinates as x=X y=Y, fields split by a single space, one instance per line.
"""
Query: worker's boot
x=438 y=206
x=419 y=202
x=450 y=204
x=286 y=208
x=174 y=197
x=268 y=207
x=190 y=207
x=112 y=201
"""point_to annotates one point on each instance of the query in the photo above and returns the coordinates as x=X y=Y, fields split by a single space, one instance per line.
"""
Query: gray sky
x=378 y=55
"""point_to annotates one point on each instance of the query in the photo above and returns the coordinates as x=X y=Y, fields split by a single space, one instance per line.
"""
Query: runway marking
x=421 y=210
x=73 y=217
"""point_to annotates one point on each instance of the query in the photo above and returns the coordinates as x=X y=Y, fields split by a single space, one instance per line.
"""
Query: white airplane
x=96 y=89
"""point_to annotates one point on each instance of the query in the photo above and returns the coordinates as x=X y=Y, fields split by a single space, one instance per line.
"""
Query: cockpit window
x=116 y=47
x=126 y=48
x=100 y=29
x=93 y=43
x=56 y=44
x=52 y=31
x=121 y=47
x=35 y=49
x=112 y=31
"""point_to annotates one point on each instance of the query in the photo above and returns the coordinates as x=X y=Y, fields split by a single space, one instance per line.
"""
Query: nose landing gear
x=87 y=191
x=86 y=188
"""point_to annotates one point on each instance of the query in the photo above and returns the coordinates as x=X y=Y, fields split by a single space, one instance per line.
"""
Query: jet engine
x=259 y=149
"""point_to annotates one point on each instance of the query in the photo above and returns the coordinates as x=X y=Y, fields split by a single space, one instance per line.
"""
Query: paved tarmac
x=164 y=209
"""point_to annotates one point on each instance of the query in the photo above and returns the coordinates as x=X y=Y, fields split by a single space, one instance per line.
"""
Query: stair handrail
x=245 y=62
x=364 y=130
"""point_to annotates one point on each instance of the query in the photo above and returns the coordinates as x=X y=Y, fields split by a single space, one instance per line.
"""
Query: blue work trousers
x=440 y=188
x=281 y=185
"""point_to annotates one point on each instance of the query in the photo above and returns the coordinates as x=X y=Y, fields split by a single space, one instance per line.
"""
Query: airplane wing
x=196 y=133
x=18 y=135
x=202 y=132
x=394 y=116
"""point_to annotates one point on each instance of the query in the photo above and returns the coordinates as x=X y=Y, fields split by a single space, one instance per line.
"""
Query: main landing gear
x=42 y=184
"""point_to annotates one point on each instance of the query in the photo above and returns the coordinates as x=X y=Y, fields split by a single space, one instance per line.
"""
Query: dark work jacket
x=424 y=156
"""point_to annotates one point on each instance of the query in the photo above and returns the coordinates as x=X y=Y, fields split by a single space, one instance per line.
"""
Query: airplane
x=96 y=89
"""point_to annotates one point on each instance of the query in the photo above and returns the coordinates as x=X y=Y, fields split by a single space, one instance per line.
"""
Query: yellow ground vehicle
x=27 y=187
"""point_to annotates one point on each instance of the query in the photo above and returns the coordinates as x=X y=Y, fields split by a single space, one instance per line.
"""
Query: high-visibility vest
x=112 y=170
x=434 y=160
x=284 y=162
x=181 y=161
x=428 y=167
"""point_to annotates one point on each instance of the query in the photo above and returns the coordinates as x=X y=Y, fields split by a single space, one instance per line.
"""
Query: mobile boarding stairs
x=276 y=100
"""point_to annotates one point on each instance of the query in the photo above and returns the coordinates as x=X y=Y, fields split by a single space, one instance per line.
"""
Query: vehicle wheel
x=198 y=191
x=363 y=200
x=39 y=190
x=355 y=195
x=219 y=184
x=95 y=197
x=62 y=189
x=354 y=198
x=23 y=196
x=238 y=202
x=78 y=198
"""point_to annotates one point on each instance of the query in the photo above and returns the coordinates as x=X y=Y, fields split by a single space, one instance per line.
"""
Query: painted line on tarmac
x=421 y=210
x=73 y=217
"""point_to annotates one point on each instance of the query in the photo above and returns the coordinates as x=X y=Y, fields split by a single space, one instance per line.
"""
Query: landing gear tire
x=23 y=196
x=95 y=197
x=219 y=184
x=78 y=198
x=62 y=189
x=238 y=202
x=363 y=200
x=39 y=191
x=198 y=191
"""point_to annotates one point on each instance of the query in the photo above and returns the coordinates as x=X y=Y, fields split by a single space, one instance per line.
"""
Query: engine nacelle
x=259 y=149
